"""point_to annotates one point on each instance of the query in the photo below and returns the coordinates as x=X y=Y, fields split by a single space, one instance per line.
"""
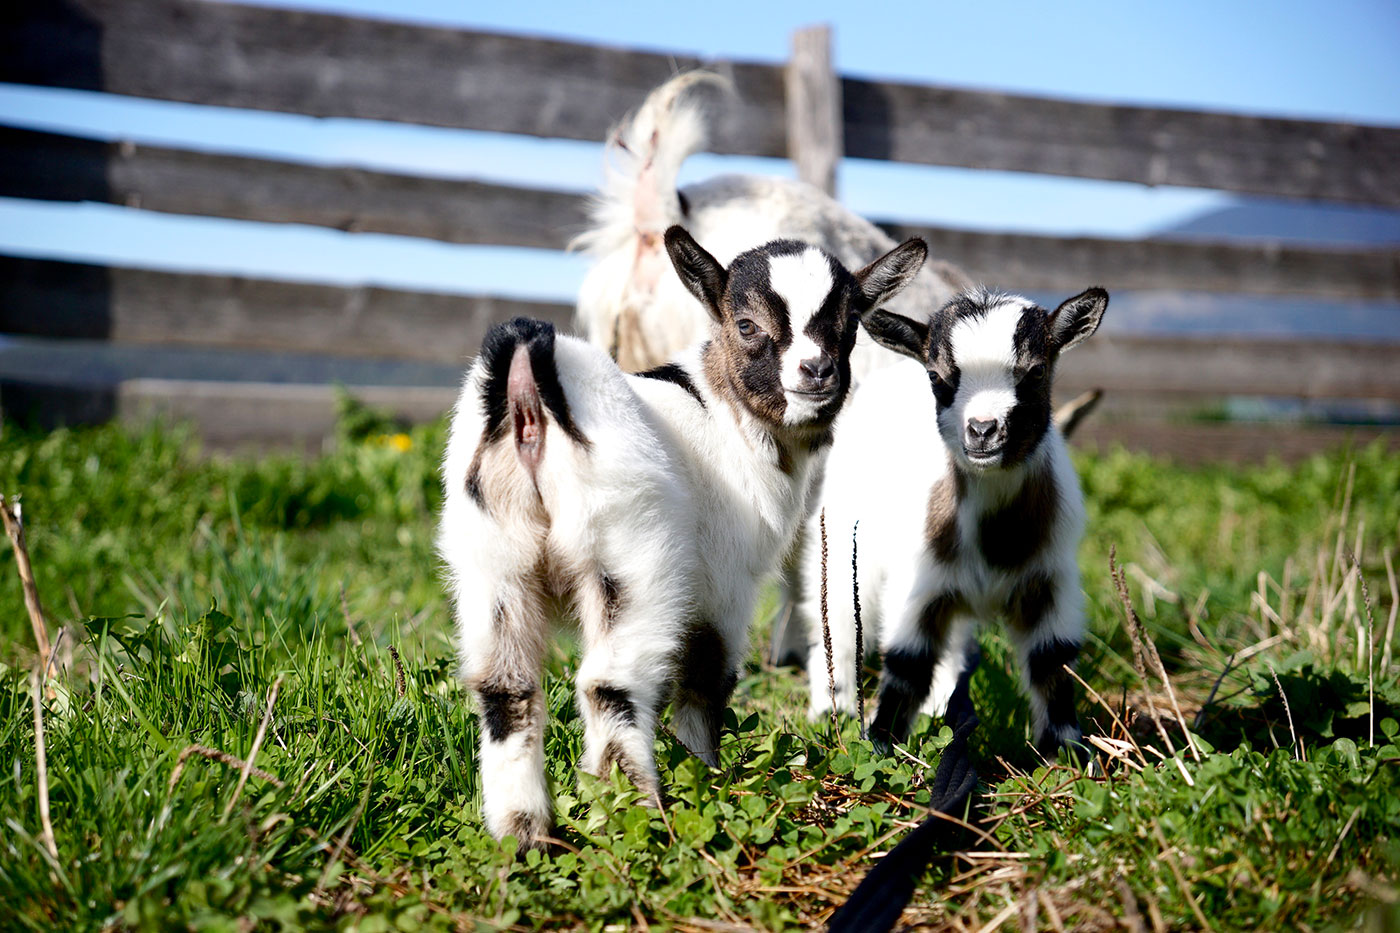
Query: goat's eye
x=746 y=327
x=942 y=391
x=1035 y=373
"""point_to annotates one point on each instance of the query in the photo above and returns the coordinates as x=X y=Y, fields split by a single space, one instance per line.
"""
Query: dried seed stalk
x=13 y=518
x=826 y=631
x=860 y=631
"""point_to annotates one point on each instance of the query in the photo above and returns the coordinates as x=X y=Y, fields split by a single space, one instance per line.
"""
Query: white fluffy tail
x=638 y=201
x=644 y=155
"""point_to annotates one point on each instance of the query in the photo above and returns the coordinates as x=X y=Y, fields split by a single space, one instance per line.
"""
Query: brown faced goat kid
x=652 y=505
x=969 y=509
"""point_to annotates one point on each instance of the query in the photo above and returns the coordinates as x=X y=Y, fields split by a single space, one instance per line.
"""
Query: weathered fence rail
x=336 y=66
x=48 y=166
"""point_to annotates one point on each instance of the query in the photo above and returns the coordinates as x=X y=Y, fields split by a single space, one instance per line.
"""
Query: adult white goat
x=652 y=505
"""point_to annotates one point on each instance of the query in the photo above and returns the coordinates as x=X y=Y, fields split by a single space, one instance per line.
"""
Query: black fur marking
x=675 y=374
x=706 y=680
x=497 y=350
x=506 y=712
x=613 y=701
x=1032 y=600
x=1029 y=418
x=685 y=203
x=1011 y=536
x=908 y=675
x=1045 y=668
x=1046 y=661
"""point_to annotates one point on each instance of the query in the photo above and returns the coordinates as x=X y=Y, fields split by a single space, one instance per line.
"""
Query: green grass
x=191 y=588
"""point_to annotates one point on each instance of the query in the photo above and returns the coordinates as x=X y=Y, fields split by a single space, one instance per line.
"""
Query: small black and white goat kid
x=969 y=509
x=650 y=505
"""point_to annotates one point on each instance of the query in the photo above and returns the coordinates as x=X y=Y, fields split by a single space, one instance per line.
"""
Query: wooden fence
x=334 y=66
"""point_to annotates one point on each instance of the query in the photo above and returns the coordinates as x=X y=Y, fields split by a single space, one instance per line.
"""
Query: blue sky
x=1333 y=60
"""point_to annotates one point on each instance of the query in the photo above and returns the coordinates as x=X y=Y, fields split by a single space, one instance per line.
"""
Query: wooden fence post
x=814 y=128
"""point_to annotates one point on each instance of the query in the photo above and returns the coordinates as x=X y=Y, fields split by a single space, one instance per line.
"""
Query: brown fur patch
x=1018 y=530
x=941 y=523
x=530 y=829
x=613 y=751
x=503 y=482
x=613 y=597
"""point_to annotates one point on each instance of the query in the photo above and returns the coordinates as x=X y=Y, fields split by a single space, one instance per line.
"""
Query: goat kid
x=649 y=505
x=968 y=508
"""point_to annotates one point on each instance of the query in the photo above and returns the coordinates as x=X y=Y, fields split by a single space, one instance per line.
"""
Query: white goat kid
x=650 y=505
x=968 y=508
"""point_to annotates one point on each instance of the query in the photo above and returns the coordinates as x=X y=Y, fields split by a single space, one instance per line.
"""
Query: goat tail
x=644 y=155
x=522 y=386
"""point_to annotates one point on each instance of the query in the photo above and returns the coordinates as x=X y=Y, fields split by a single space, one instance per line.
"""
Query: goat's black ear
x=700 y=272
x=898 y=333
x=886 y=277
x=1076 y=319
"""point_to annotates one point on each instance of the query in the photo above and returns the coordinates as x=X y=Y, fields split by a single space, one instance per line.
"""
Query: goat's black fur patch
x=706 y=680
x=1032 y=599
x=613 y=701
x=1013 y=534
x=675 y=374
x=1046 y=661
x=1045 y=668
x=497 y=350
x=505 y=712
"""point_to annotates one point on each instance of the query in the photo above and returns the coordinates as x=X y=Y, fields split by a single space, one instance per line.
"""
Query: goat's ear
x=886 y=277
x=700 y=272
x=898 y=333
x=1076 y=319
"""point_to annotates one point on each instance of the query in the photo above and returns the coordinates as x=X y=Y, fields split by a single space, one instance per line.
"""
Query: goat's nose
x=981 y=429
x=818 y=368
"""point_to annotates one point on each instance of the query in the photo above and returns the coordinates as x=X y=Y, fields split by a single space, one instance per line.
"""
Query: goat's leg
x=1046 y=622
x=913 y=645
x=706 y=676
x=502 y=646
x=621 y=681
